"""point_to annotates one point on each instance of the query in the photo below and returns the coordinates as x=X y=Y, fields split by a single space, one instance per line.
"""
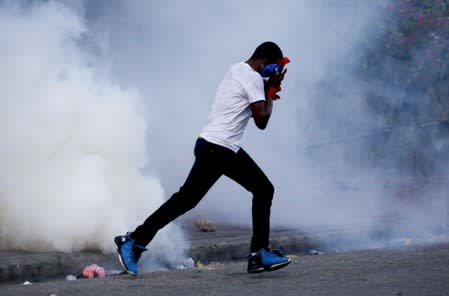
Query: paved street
x=409 y=271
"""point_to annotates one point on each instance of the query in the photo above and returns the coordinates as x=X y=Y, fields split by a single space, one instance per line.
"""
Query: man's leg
x=247 y=173
x=207 y=168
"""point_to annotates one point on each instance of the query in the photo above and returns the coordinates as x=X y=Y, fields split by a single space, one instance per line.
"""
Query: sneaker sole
x=277 y=266
x=121 y=262
x=258 y=270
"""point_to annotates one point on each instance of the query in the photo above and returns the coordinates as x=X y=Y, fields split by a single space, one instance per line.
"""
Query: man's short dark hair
x=268 y=50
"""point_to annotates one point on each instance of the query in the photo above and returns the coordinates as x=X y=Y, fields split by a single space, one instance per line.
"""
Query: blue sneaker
x=128 y=253
x=267 y=260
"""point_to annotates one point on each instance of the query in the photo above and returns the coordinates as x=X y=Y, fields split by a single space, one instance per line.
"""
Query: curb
x=37 y=267
x=239 y=249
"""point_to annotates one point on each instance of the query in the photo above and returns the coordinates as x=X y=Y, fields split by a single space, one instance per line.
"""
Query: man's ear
x=261 y=65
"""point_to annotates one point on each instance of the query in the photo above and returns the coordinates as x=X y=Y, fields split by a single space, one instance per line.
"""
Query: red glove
x=272 y=90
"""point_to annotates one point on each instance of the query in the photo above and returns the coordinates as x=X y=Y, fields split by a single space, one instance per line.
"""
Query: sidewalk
x=224 y=244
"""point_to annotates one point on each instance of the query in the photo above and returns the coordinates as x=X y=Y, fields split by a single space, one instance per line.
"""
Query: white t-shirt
x=241 y=86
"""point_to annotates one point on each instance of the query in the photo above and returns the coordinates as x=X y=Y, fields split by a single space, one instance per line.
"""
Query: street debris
x=27 y=283
x=408 y=242
x=206 y=226
x=71 y=277
x=93 y=271
x=210 y=266
x=186 y=264
x=315 y=252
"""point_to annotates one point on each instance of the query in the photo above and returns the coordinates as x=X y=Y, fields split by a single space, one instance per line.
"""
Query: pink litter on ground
x=93 y=271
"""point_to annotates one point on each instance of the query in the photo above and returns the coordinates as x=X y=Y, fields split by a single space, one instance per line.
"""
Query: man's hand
x=273 y=85
x=277 y=79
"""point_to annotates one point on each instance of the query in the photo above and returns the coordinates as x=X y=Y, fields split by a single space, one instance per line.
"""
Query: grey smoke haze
x=101 y=102
x=176 y=55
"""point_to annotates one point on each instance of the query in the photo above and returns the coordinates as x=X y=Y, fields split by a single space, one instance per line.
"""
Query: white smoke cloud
x=73 y=146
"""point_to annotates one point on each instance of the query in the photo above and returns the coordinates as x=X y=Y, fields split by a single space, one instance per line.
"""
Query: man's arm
x=261 y=112
x=262 y=109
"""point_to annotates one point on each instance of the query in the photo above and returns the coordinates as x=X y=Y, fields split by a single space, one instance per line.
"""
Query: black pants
x=211 y=162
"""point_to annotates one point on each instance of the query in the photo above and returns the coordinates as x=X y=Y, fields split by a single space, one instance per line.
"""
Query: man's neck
x=257 y=65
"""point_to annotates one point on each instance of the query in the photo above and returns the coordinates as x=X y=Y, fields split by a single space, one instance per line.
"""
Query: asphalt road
x=417 y=270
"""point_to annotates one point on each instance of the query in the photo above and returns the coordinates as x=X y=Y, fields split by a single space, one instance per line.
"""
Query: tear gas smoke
x=73 y=146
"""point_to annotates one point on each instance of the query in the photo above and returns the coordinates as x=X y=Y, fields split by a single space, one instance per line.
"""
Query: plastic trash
x=188 y=263
x=315 y=252
x=114 y=272
x=71 y=277
x=92 y=271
